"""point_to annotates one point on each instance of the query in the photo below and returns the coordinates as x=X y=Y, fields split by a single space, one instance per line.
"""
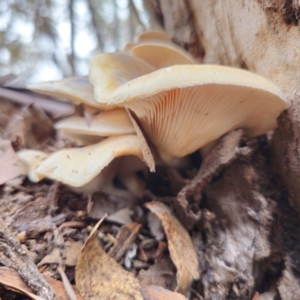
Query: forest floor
x=224 y=231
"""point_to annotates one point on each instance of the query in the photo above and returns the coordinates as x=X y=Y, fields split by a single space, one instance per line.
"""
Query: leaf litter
x=136 y=253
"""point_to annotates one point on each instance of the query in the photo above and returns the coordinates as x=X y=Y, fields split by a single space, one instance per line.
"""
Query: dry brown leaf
x=8 y=161
x=59 y=289
x=32 y=128
x=162 y=273
x=180 y=245
x=98 y=276
x=12 y=280
x=7 y=109
x=122 y=216
x=110 y=204
x=154 y=292
x=72 y=252
x=155 y=226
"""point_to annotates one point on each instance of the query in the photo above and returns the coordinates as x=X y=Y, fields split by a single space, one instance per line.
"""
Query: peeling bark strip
x=286 y=151
x=225 y=152
x=221 y=155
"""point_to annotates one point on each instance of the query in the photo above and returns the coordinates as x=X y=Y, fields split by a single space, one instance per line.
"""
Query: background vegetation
x=48 y=39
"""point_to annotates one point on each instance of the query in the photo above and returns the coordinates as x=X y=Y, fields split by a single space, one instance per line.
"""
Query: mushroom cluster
x=151 y=99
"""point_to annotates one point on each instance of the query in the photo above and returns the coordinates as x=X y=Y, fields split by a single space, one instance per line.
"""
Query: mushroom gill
x=185 y=107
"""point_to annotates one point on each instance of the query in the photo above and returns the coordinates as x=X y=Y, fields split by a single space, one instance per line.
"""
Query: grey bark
x=248 y=233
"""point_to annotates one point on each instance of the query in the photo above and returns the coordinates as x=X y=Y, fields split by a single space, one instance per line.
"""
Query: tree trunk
x=250 y=243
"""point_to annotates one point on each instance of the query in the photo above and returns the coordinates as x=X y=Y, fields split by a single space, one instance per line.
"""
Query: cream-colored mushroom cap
x=77 y=89
x=78 y=166
x=153 y=35
x=30 y=161
x=182 y=108
x=160 y=54
x=113 y=70
x=106 y=123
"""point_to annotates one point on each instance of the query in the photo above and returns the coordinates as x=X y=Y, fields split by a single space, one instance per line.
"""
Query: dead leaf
x=180 y=245
x=32 y=128
x=162 y=273
x=72 y=252
x=154 y=292
x=110 y=204
x=8 y=162
x=7 y=109
x=59 y=289
x=126 y=236
x=98 y=276
x=155 y=226
x=122 y=216
x=12 y=280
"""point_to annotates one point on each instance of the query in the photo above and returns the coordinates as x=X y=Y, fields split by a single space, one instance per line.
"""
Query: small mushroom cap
x=77 y=89
x=183 y=108
x=106 y=123
x=78 y=166
x=113 y=70
x=160 y=54
x=30 y=160
x=153 y=35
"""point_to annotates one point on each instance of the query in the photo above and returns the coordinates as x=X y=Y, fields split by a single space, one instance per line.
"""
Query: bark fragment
x=286 y=151
x=26 y=268
x=236 y=240
x=226 y=151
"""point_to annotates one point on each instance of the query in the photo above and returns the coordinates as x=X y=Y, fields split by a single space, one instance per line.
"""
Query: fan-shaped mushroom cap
x=160 y=54
x=153 y=35
x=106 y=123
x=78 y=166
x=113 y=70
x=77 y=89
x=183 y=108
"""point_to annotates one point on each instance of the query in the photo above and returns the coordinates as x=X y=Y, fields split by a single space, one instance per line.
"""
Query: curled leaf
x=98 y=276
x=180 y=245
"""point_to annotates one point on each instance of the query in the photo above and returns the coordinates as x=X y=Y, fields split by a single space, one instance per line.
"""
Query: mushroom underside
x=180 y=121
